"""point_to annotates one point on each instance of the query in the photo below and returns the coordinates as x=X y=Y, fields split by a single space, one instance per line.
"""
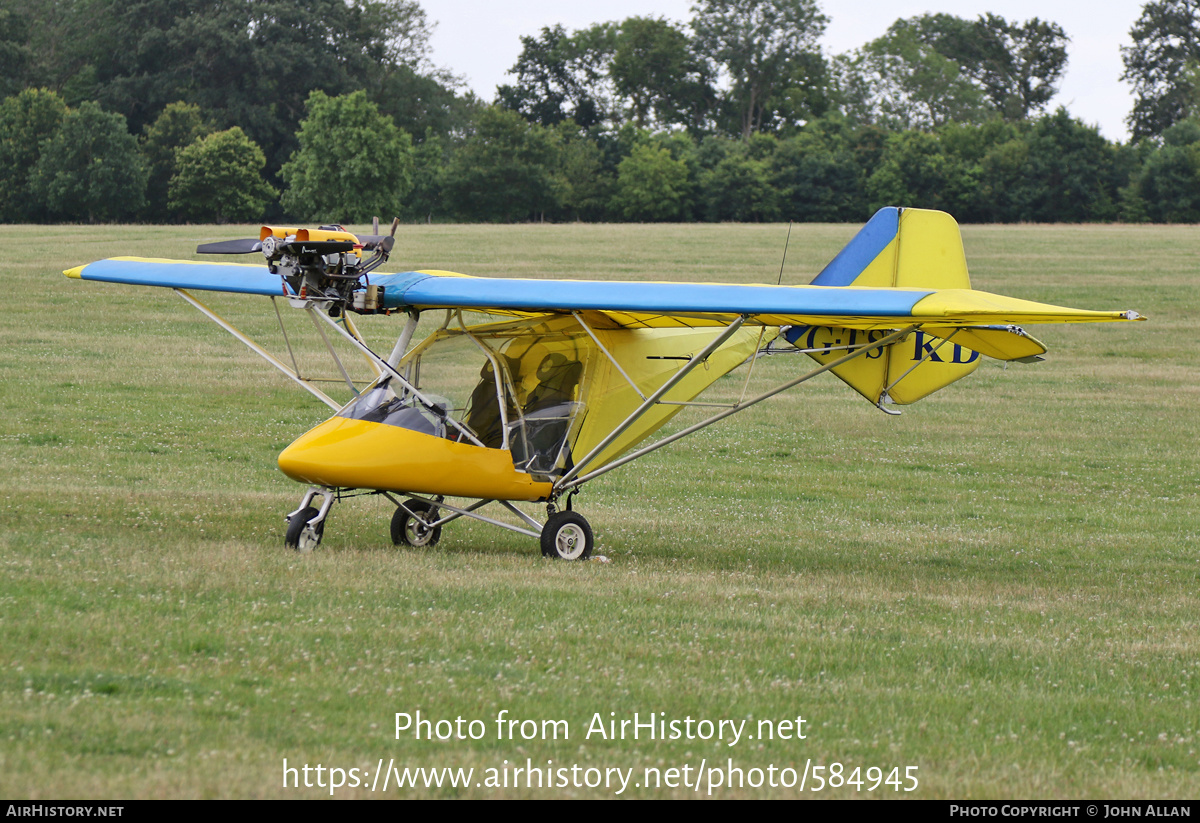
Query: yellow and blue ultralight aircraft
x=572 y=376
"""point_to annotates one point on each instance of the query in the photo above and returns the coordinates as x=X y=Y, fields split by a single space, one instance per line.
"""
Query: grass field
x=999 y=588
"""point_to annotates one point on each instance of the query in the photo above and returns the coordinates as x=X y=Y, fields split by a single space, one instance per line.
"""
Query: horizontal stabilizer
x=1000 y=342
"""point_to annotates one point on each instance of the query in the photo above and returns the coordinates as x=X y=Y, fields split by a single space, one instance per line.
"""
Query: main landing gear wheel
x=413 y=529
x=300 y=536
x=567 y=536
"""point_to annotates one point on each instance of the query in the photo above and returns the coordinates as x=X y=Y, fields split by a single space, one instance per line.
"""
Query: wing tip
x=76 y=272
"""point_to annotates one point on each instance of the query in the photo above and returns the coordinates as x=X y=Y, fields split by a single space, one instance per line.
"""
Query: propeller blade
x=242 y=246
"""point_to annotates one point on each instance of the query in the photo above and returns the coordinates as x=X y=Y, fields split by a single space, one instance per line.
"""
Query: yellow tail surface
x=906 y=248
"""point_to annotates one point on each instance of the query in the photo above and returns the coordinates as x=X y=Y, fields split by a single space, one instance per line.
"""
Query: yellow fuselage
x=358 y=454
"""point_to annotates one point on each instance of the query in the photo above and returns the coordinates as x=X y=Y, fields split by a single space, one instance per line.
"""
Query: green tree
x=16 y=55
x=739 y=187
x=917 y=171
x=59 y=36
x=91 y=169
x=178 y=125
x=770 y=51
x=818 y=175
x=901 y=82
x=1169 y=183
x=973 y=147
x=1022 y=64
x=1161 y=65
x=219 y=180
x=429 y=161
x=421 y=103
x=656 y=69
x=1006 y=194
x=1058 y=170
x=562 y=76
x=586 y=187
x=507 y=171
x=651 y=186
x=27 y=121
x=1016 y=66
x=1075 y=170
x=250 y=64
x=353 y=163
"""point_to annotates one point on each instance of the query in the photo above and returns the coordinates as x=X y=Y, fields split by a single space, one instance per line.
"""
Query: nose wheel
x=567 y=536
x=306 y=525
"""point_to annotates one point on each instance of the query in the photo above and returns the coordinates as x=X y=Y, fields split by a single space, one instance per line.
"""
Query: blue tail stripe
x=862 y=249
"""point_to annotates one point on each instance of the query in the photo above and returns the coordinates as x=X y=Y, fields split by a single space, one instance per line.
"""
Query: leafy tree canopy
x=651 y=185
x=739 y=187
x=250 y=64
x=1016 y=66
x=766 y=48
x=1168 y=186
x=27 y=121
x=819 y=175
x=563 y=76
x=656 y=69
x=178 y=125
x=219 y=180
x=16 y=55
x=1161 y=65
x=901 y=82
x=916 y=170
x=90 y=170
x=353 y=162
x=506 y=171
x=1057 y=170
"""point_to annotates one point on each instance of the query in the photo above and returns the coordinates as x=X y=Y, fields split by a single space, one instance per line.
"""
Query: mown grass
x=998 y=587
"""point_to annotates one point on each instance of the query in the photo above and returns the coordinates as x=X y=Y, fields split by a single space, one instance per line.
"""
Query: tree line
x=331 y=110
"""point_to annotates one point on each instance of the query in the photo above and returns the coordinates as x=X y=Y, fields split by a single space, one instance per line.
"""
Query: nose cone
x=358 y=454
x=335 y=453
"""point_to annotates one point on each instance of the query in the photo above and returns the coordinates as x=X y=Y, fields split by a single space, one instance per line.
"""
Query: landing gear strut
x=306 y=525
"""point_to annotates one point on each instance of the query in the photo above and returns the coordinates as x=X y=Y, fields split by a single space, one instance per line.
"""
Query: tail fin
x=913 y=248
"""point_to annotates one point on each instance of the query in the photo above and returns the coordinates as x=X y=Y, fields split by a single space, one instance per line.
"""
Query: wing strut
x=569 y=480
x=497 y=375
x=312 y=314
x=611 y=359
x=259 y=350
x=385 y=366
x=562 y=483
x=406 y=335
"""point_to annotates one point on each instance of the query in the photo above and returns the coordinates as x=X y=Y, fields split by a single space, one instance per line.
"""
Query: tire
x=299 y=537
x=408 y=530
x=567 y=536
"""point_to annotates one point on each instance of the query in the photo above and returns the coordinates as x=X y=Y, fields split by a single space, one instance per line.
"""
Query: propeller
x=383 y=243
x=245 y=245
